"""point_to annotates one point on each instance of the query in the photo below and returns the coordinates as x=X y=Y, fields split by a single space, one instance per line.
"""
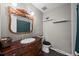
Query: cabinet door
x=32 y=49
x=11 y=53
x=22 y=51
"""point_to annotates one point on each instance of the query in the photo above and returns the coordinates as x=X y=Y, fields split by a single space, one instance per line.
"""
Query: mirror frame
x=28 y=16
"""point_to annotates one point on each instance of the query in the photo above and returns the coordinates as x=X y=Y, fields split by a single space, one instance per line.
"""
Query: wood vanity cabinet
x=18 y=49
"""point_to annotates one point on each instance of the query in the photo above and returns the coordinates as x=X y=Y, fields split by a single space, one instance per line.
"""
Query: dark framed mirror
x=20 y=21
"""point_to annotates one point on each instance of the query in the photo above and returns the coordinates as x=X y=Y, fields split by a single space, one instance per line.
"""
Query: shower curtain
x=77 y=36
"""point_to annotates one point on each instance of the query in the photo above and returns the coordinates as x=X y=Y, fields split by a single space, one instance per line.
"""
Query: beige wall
x=59 y=34
x=37 y=29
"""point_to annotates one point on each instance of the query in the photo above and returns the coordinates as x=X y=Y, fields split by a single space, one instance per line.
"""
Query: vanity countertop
x=17 y=45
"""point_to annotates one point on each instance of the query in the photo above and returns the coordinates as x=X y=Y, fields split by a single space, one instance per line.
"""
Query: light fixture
x=14 y=4
x=30 y=11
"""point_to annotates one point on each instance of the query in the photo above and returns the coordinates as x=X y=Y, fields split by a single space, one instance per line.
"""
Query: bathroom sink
x=27 y=40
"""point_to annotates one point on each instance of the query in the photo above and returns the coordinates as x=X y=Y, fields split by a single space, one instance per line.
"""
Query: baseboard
x=60 y=51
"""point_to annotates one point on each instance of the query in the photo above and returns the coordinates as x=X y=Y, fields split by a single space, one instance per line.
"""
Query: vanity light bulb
x=14 y=4
x=32 y=13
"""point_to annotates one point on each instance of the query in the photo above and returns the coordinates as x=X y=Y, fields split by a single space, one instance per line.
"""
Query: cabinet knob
x=30 y=47
x=14 y=54
x=5 y=41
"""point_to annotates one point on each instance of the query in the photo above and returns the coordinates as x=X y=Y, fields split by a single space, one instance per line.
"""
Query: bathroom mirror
x=20 y=21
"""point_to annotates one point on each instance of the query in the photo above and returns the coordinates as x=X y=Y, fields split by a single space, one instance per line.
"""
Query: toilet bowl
x=46 y=48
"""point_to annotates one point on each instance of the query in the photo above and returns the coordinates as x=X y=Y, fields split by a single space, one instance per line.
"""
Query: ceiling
x=44 y=7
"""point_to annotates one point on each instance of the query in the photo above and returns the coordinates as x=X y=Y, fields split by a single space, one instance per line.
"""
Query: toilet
x=46 y=45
